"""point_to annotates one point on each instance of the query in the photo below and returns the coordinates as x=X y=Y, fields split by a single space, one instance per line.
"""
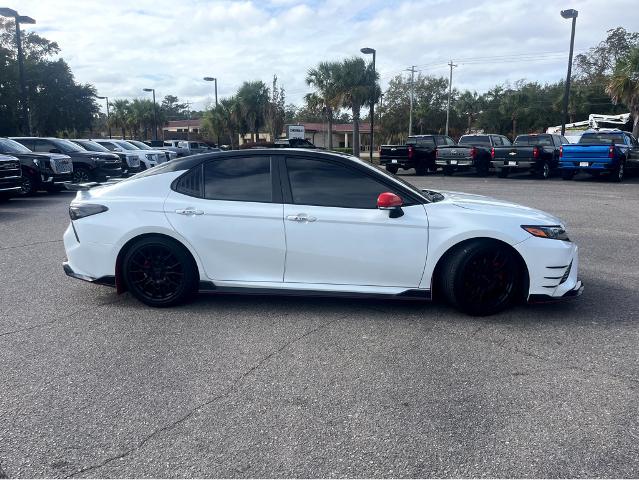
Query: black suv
x=40 y=171
x=130 y=163
x=10 y=176
x=87 y=166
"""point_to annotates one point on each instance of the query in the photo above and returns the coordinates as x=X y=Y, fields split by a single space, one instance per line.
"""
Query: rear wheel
x=421 y=171
x=482 y=277
x=617 y=174
x=160 y=272
x=392 y=169
x=543 y=172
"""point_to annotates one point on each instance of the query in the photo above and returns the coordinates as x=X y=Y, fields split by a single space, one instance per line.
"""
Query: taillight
x=492 y=153
x=611 y=152
x=561 y=151
x=410 y=152
x=473 y=152
x=535 y=152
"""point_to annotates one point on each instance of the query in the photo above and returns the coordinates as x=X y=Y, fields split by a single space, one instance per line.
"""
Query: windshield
x=67 y=146
x=421 y=141
x=126 y=145
x=91 y=146
x=11 y=146
x=602 y=138
x=140 y=145
x=531 y=140
x=475 y=140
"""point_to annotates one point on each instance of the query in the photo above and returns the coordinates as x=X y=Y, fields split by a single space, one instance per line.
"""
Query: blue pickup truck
x=609 y=151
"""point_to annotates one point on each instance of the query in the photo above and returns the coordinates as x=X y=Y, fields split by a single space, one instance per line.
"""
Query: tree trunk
x=635 y=126
x=123 y=133
x=356 y=130
x=330 y=130
x=470 y=121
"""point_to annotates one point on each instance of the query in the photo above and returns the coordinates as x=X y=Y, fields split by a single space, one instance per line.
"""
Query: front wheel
x=81 y=175
x=28 y=186
x=482 y=277
x=160 y=272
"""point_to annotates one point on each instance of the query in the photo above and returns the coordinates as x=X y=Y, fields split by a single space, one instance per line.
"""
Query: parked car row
x=31 y=164
x=609 y=151
x=181 y=148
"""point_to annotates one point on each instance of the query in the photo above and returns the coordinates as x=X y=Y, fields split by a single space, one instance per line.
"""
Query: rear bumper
x=108 y=280
x=518 y=164
x=397 y=162
x=455 y=162
x=587 y=164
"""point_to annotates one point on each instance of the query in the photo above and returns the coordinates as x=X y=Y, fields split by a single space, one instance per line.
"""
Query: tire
x=391 y=169
x=483 y=169
x=502 y=173
x=482 y=277
x=81 y=175
x=543 y=173
x=567 y=174
x=617 y=174
x=29 y=186
x=160 y=272
x=420 y=171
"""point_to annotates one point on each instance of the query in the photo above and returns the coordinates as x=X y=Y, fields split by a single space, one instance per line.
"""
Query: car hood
x=492 y=206
x=100 y=155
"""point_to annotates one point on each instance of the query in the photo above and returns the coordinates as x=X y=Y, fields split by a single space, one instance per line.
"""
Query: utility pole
x=573 y=15
x=188 y=121
x=410 y=112
x=450 y=89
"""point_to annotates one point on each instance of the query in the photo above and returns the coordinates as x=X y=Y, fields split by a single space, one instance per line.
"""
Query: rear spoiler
x=81 y=187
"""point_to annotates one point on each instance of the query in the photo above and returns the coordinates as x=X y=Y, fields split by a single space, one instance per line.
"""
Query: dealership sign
x=295 y=131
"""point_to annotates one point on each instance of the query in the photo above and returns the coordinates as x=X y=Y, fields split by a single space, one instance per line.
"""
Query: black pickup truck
x=472 y=151
x=87 y=166
x=537 y=153
x=10 y=176
x=40 y=171
x=418 y=153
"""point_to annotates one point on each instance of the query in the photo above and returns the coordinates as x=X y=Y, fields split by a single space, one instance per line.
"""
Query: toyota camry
x=313 y=223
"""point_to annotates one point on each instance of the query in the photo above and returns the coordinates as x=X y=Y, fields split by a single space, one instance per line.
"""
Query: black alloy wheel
x=617 y=174
x=28 y=185
x=81 y=175
x=482 y=277
x=543 y=173
x=159 y=272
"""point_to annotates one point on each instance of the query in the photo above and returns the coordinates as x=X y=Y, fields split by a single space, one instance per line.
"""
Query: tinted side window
x=564 y=140
x=191 y=183
x=245 y=179
x=316 y=182
x=449 y=141
x=440 y=141
x=43 y=146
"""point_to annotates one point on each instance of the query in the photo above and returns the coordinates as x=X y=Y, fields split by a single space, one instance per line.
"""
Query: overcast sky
x=122 y=46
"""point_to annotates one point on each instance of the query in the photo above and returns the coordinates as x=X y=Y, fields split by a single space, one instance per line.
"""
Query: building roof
x=364 y=127
x=194 y=122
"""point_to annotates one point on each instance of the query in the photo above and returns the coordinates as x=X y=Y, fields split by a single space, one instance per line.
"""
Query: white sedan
x=311 y=222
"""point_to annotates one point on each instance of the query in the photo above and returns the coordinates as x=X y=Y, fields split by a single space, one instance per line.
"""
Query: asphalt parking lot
x=93 y=384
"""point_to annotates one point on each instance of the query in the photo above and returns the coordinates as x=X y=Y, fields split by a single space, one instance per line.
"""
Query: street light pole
x=25 y=123
x=368 y=51
x=108 y=115
x=155 y=114
x=570 y=13
x=214 y=79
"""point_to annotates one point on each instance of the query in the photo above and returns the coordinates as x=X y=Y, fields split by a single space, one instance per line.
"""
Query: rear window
x=421 y=141
x=602 y=138
x=478 y=140
x=531 y=140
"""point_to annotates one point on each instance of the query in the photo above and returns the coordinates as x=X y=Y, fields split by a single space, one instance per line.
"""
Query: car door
x=336 y=235
x=633 y=156
x=230 y=212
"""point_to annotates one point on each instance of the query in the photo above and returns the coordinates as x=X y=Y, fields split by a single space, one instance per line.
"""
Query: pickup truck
x=472 y=151
x=10 y=176
x=606 y=150
x=40 y=171
x=418 y=153
x=537 y=153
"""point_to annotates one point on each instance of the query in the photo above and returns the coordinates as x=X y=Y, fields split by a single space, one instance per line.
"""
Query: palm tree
x=253 y=98
x=623 y=86
x=225 y=119
x=326 y=96
x=469 y=104
x=353 y=80
x=119 y=117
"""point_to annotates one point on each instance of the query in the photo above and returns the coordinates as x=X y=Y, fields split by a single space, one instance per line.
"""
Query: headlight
x=97 y=159
x=553 y=232
x=77 y=211
x=150 y=157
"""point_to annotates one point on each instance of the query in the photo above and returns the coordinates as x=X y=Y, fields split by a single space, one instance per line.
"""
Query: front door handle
x=301 y=217
x=189 y=211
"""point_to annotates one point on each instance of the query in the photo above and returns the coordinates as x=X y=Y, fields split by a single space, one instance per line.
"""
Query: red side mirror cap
x=388 y=200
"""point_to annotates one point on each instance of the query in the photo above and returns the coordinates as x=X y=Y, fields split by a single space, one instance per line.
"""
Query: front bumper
x=569 y=295
x=55 y=179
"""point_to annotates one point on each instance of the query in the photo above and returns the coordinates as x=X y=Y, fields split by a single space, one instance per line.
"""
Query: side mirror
x=391 y=202
x=55 y=150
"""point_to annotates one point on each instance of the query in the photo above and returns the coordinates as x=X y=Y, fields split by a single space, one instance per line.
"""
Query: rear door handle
x=301 y=217
x=189 y=211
